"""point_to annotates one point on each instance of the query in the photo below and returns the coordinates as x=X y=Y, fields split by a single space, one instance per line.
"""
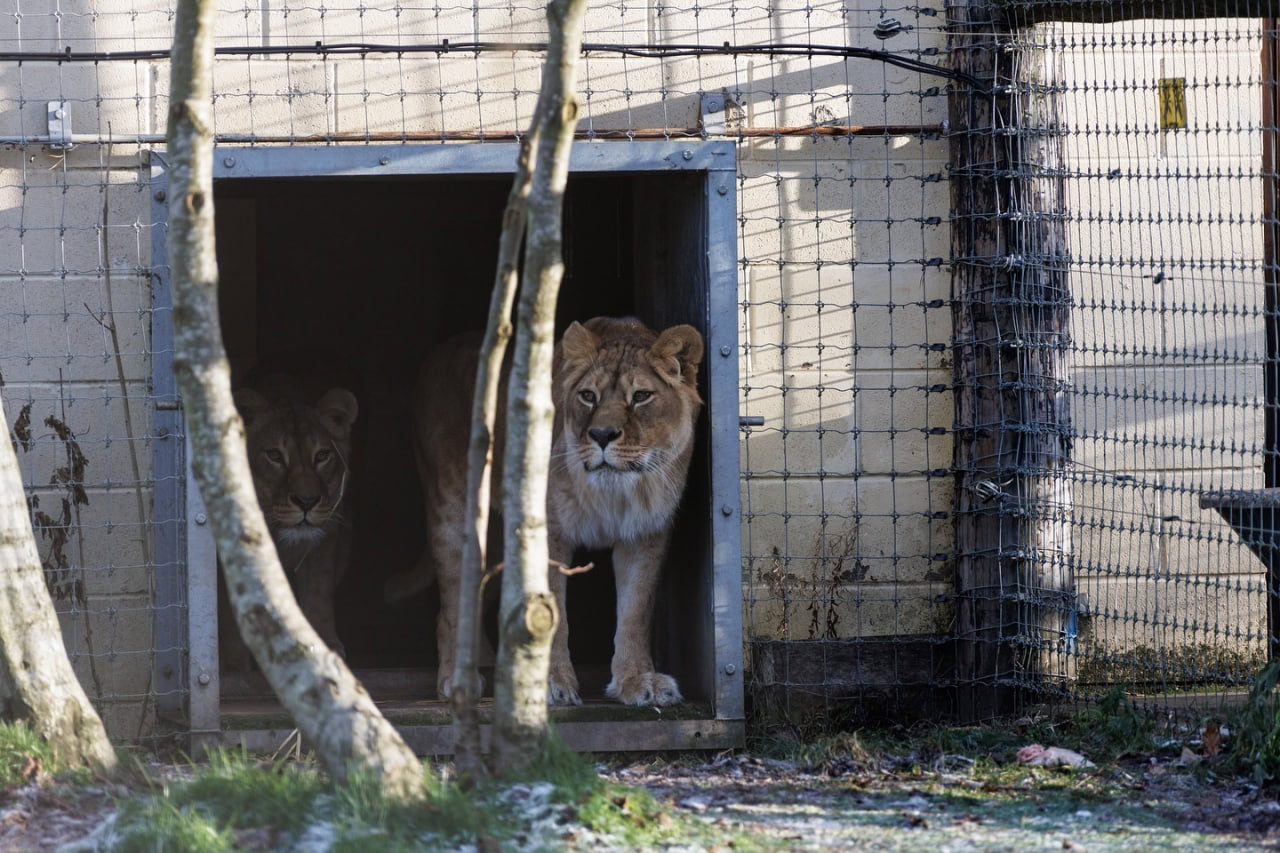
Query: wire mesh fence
x=1164 y=192
x=1130 y=419
x=1116 y=379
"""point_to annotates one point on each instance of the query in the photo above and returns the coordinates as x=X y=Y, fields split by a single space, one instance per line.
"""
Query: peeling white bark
x=37 y=684
x=331 y=708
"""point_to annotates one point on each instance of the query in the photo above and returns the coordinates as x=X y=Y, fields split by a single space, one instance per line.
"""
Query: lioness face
x=298 y=455
x=629 y=401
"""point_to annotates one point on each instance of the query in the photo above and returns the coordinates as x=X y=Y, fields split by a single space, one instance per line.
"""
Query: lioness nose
x=603 y=435
x=305 y=503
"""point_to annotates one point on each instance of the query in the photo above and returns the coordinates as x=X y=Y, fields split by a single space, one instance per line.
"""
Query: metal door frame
x=186 y=677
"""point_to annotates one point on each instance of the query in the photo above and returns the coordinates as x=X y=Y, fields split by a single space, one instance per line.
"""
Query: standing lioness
x=626 y=403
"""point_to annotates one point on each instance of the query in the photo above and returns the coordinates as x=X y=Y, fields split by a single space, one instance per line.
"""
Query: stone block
x=1175 y=418
x=110 y=646
x=870 y=610
x=870 y=529
x=1225 y=611
x=380 y=96
x=51 y=221
x=96 y=416
x=841 y=213
x=267 y=96
x=497 y=92
x=73 y=347
x=108 y=94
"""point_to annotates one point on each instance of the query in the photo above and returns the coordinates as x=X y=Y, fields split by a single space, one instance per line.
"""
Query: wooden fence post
x=1014 y=588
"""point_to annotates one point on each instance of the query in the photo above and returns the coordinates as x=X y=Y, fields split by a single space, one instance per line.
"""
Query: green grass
x=233 y=794
x=19 y=746
x=159 y=825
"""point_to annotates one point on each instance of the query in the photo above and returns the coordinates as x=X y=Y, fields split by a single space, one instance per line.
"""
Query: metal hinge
x=719 y=114
x=60 y=126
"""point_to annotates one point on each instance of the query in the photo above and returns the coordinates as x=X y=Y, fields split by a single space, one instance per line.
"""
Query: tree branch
x=529 y=614
x=37 y=683
x=330 y=707
x=484 y=407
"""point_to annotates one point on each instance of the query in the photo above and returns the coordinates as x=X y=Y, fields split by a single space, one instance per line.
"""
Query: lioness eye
x=276 y=456
x=588 y=397
x=322 y=455
x=640 y=396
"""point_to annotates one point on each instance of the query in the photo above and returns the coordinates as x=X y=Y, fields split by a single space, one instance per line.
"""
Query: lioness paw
x=562 y=688
x=645 y=689
x=444 y=688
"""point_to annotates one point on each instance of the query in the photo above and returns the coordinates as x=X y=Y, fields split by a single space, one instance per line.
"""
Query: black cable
x=639 y=50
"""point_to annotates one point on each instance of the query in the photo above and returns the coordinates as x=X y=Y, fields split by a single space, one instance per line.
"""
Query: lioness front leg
x=562 y=681
x=636 y=567
x=316 y=586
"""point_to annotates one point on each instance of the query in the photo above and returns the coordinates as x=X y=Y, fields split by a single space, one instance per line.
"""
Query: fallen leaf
x=1212 y=739
x=31 y=767
x=1036 y=755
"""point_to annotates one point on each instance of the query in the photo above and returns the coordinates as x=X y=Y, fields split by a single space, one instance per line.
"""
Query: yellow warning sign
x=1173 y=103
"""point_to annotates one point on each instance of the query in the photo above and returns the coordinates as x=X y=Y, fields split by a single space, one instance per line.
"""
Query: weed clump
x=235 y=801
x=1257 y=729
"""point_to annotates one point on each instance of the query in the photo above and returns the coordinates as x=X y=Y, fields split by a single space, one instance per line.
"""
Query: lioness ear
x=250 y=404
x=339 y=408
x=579 y=343
x=683 y=344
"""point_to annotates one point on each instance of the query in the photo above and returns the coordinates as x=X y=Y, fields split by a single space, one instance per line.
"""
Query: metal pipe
x=835 y=130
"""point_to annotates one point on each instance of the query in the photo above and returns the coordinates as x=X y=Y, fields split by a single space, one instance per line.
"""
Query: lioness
x=626 y=403
x=299 y=445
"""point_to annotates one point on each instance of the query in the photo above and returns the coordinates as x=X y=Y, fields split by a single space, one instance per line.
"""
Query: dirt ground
x=950 y=803
x=895 y=804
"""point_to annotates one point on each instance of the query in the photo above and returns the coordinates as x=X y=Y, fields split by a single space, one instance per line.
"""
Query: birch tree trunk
x=37 y=683
x=330 y=707
x=528 y=614
x=484 y=408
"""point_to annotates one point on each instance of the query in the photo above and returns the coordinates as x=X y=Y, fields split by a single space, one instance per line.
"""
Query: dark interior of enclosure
x=370 y=274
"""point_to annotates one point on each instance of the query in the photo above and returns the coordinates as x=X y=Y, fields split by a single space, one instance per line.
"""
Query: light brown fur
x=618 y=468
x=299 y=448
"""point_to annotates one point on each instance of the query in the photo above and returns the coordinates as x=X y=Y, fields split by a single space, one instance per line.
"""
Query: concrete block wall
x=1168 y=334
x=75 y=350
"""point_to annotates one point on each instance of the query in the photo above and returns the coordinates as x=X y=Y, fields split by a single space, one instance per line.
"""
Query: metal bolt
x=201 y=518
x=730 y=669
x=204 y=679
x=725 y=350
x=688 y=155
x=230 y=162
x=159 y=195
x=726 y=510
x=715 y=106
x=58 y=113
x=722 y=189
x=382 y=161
